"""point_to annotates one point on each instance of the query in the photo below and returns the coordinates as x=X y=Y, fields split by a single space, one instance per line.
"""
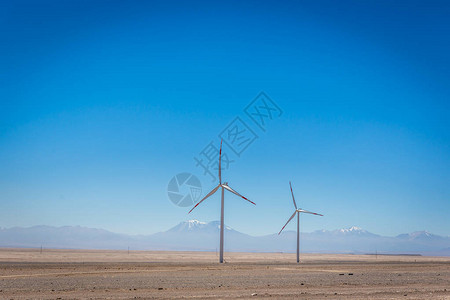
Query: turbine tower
x=223 y=186
x=297 y=211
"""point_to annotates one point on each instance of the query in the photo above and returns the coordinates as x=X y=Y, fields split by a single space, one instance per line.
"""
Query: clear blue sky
x=102 y=102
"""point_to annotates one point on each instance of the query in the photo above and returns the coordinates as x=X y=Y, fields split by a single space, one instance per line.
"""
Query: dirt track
x=72 y=274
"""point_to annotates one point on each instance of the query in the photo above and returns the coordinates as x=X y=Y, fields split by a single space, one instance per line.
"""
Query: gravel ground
x=71 y=274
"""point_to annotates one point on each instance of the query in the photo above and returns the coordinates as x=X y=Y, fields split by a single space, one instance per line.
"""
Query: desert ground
x=98 y=274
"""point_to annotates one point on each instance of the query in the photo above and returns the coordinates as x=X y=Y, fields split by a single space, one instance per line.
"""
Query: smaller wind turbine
x=224 y=186
x=297 y=211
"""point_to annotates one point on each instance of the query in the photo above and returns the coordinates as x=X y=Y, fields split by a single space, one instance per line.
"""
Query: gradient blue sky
x=102 y=102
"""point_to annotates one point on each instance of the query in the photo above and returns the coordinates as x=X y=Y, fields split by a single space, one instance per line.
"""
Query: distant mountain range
x=200 y=236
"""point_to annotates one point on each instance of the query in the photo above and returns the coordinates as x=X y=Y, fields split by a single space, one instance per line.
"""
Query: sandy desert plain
x=99 y=274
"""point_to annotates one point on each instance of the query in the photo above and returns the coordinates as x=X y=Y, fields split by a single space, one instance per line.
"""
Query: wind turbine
x=223 y=186
x=297 y=211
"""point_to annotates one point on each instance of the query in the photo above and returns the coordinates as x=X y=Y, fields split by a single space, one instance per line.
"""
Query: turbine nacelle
x=307 y=212
x=297 y=210
x=221 y=185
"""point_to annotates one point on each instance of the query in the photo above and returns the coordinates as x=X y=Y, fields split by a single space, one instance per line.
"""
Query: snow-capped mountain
x=420 y=236
x=202 y=236
x=195 y=225
x=195 y=235
x=351 y=231
x=191 y=225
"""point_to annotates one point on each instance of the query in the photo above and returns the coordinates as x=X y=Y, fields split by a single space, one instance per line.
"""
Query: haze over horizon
x=194 y=235
x=198 y=222
x=103 y=102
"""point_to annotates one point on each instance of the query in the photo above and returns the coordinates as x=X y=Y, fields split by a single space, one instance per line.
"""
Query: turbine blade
x=293 y=199
x=293 y=215
x=236 y=193
x=310 y=212
x=209 y=194
x=220 y=163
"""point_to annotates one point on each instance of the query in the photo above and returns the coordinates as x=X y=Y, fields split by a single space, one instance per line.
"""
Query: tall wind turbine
x=223 y=186
x=297 y=211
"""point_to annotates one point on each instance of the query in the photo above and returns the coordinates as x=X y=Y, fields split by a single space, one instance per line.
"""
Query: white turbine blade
x=209 y=194
x=310 y=212
x=293 y=215
x=293 y=199
x=220 y=163
x=236 y=193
